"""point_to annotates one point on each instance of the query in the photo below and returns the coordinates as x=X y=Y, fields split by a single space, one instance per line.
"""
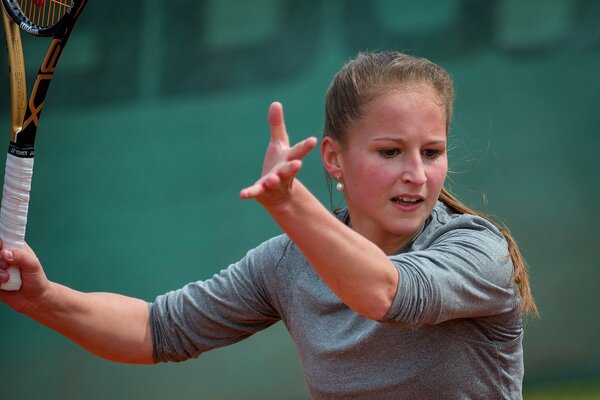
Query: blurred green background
x=157 y=118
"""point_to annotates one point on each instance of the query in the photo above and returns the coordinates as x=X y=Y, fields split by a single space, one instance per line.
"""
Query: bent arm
x=354 y=268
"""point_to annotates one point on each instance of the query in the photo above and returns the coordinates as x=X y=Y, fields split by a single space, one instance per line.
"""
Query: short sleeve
x=230 y=306
x=465 y=272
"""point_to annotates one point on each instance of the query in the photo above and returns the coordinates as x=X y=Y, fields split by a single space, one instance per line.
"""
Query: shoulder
x=459 y=266
x=450 y=219
x=275 y=257
x=265 y=258
x=475 y=241
x=444 y=223
x=274 y=247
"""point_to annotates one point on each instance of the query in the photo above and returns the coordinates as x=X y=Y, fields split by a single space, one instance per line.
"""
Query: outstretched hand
x=281 y=163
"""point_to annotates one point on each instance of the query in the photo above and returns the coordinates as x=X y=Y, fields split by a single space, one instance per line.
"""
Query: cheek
x=366 y=181
x=370 y=175
x=437 y=174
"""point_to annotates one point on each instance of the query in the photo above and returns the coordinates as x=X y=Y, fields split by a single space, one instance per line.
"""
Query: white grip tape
x=13 y=215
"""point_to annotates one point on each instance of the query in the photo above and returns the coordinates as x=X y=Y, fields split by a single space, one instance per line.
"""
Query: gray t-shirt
x=454 y=330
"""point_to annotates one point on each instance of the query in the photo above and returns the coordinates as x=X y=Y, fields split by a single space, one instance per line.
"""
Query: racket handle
x=13 y=214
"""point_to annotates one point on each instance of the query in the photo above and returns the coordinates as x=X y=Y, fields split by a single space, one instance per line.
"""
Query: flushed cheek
x=368 y=185
x=374 y=179
x=436 y=179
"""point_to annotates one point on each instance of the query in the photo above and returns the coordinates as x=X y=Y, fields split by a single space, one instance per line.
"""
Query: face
x=393 y=165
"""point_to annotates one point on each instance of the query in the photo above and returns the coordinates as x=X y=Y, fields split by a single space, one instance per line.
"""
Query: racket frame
x=24 y=118
x=14 y=11
x=18 y=78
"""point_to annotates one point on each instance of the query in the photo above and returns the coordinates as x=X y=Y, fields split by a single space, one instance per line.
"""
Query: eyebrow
x=400 y=140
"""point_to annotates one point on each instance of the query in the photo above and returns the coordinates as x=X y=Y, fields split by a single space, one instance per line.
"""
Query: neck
x=389 y=244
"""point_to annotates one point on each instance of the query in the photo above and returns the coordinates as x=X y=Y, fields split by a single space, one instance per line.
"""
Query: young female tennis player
x=406 y=293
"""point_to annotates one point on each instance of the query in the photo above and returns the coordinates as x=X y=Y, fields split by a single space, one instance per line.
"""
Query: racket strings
x=44 y=13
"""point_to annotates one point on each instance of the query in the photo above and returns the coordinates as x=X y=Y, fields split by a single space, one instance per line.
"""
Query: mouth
x=407 y=200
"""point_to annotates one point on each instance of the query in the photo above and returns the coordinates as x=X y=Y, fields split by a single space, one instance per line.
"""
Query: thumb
x=23 y=258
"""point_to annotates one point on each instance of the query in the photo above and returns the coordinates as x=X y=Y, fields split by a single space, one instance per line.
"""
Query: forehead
x=413 y=110
x=406 y=97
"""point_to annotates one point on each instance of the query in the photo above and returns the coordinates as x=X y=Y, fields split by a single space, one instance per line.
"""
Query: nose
x=413 y=170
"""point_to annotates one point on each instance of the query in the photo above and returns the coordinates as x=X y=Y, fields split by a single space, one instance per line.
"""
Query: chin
x=409 y=227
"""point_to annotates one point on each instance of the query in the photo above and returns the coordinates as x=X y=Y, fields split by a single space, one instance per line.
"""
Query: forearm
x=354 y=268
x=111 y=326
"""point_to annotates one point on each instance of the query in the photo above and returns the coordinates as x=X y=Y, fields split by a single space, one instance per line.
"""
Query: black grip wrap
x=20 y=151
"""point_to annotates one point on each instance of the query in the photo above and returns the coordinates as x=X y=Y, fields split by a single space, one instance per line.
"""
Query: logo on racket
x=40 y=87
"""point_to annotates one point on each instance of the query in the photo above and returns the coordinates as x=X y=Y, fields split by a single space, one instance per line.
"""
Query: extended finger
x=277 y=179
x=249 y=192
x=289 y=170
x=301 y=149
x=259 y=187
x=277 y=123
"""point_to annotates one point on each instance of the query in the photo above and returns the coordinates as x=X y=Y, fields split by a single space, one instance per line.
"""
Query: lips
x=408 y=200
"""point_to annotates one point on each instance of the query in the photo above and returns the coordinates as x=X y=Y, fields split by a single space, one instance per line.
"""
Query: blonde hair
x=372 y=74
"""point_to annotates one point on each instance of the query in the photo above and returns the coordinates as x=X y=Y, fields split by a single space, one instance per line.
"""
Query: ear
x=330 y=155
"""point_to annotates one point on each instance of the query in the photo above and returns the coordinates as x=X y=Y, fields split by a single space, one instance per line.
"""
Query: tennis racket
x=49 y=18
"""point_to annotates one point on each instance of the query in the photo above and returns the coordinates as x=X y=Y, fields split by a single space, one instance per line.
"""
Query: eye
x=389 y=153
x=430 y=153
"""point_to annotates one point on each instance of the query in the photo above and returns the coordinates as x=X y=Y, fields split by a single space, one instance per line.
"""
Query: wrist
x=43 y=304
x=290 y=205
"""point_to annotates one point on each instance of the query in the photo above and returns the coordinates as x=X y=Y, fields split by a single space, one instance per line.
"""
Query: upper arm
x=464 y=273
x=230 y=306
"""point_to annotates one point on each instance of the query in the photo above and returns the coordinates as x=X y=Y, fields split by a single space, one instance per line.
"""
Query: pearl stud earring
x=339 y=186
